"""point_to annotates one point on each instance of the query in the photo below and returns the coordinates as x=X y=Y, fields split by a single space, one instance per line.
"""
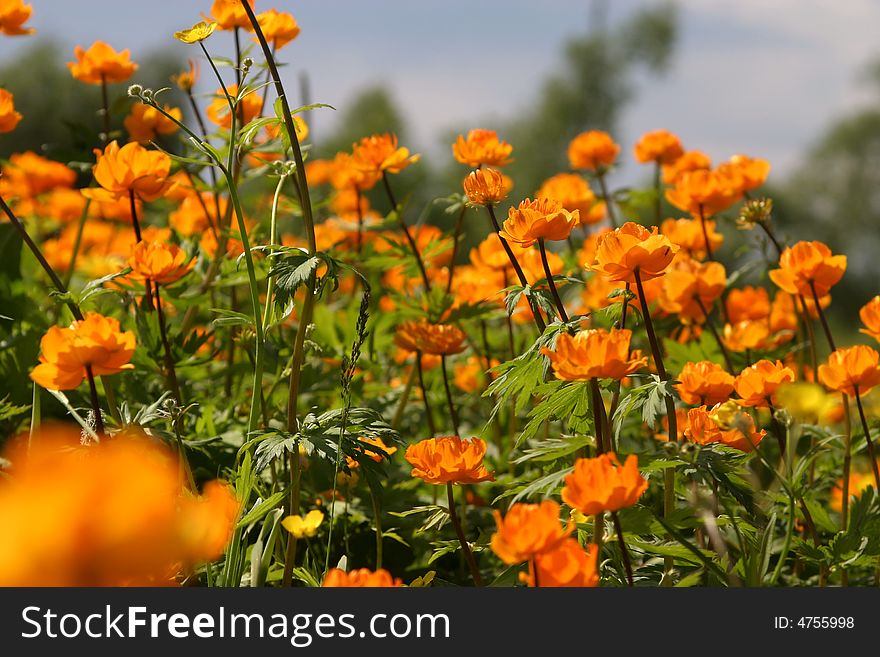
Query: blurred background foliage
x=833 y=196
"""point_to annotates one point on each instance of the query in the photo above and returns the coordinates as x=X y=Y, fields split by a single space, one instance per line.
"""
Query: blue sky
x=762 y=77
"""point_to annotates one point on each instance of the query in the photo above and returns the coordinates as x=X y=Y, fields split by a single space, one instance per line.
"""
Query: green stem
x=609 y=205
x=870 y=442
x=623 y=549
x=452 y=413
x=468 y=555
x=77 y=242
x=273 y=239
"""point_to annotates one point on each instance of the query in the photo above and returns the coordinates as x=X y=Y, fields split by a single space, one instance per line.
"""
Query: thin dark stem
x=96 y=405
x=712 y=329
x=468 y=555
x=772 y=237
x=549 y=275
x=623 y=549
x=609 y=206
x=811 y=334
x=455 y=238
x=453 y=415
x=822 y=318
x=597 y=416
x=237 y=56
x=539 y=318
x=870 y=442
x=709 y=254
x=409 y=238
x=170 y=372
x=428 y=415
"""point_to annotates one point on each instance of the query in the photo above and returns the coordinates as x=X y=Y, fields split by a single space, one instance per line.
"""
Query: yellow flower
x=198 y=32
x=303 y=527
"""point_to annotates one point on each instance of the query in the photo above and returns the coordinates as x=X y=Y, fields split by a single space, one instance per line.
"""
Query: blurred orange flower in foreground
x=594 y=354
x=527 y=531
x=449 y=459
x=360 y=578
x=95 y=341
x=851 y=370
x=13 y=15
x=481 y=148
x=115 y=513
x=101 y=64
x=603 y=484
x=131 y=168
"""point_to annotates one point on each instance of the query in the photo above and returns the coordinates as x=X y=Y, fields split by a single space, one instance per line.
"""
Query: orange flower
x=702 y=193
x=247 y=109
x=101 y=64
x=691 y=287
x=380 y=153
x=471 y=375
x=482 y=148
x=145 y=122
x=428 y=338
x=688 y=234
x=704 y=383
x=360 y=578
x=594 y=354
x=689 y=161
x=568 y=565
x=594 y=150
x=659 y=146
x=757 y=384
x=808 y=264
x=574 y=193
x=279 y=27
x=747 y=303
x=190 y=217
x=186 y=80
x=542 y=218
x=229 y=14
x=602 y=484
x=858 y=484
x=28 y=175
x=485 y=187
x=745 y=173
x=378 y=450
x=95 y=341
x=527 y=531
x=851 y=370
x=746 y=335
x=13 y=15
x=726 y=424
x=159 y=262
x=130 y=168
x=449 y=459
x=114 y=513
x=633 y=247
x=9 y=118
x=870 y=316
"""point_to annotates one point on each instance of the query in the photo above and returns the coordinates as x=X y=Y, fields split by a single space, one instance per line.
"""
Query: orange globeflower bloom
x=726 y=424
x=746 y=335
x=377 y=449
x=702 y=193
x=747 y=303
x=95 y=341
x=485 y=187
x=428 y=338
x=533 y=267
x=704 y=383
x=659 y=146
x=114 y=513
x=527 y=531
x=689 y=161
x=130 y=168
x=229 y=14
x=360 y=578
x=247 y=110
x=159 y=262
x=574 y=193
x=186 y=80
x=688 y=234
x=603 y=484
x=542 y=218
x=279 y=27
x=746 y=173
x=594 y=354
x=851 y=370
x=9 y=118
x=858 y=484
x=482 y=148
x=145 y=122
x=28 y=174
x=568 y=565
x=380 y=153
x=807 y=265
x=101 y=64
x=449 y=459
x=343 y=174
x=633 y=247
x=870 y=316
x=13 y=15
x=691 y=288
x=594 y=150
x=757 y=384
